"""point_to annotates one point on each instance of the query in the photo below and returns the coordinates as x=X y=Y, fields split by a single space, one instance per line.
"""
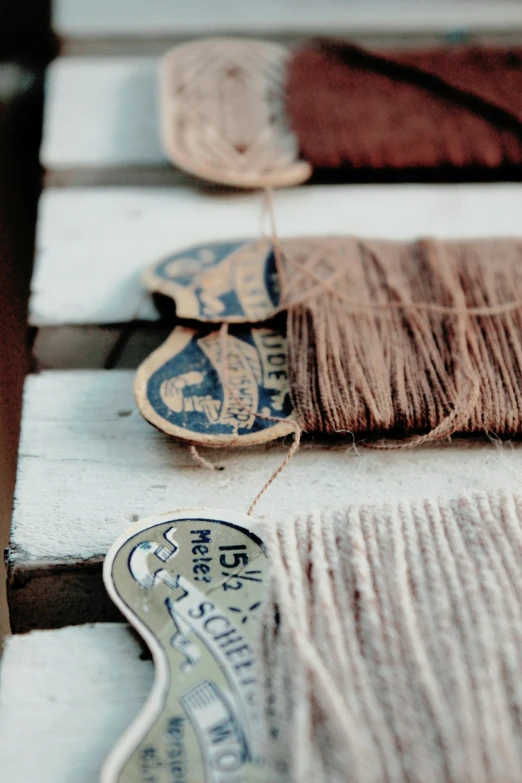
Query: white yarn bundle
x=392 y=643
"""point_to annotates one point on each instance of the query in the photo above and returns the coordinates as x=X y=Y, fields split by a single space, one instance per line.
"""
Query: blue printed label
x=222 y=282
x=207 y=386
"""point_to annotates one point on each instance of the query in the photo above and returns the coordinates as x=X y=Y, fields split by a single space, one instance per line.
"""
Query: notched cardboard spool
x=238 y=281
x=192 y=583
x=223 y=116
x=185 y=389
x=222 y=282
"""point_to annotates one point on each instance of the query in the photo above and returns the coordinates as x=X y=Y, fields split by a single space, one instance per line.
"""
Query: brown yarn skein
x=388 y=338
x=445 y=107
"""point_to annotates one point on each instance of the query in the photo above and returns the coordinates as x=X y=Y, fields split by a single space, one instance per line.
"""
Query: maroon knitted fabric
x=449 y=106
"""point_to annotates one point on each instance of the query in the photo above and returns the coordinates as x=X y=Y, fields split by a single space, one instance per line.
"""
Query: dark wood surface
x=20 y=127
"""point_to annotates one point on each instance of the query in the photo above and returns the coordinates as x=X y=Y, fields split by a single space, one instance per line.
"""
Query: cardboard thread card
x=192 y=583
x=222 y=113
x=216 y=390
x=222 y=282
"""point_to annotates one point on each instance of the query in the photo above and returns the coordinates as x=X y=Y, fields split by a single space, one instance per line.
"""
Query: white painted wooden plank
x=102 y=18
x=101 y=112
x=93 y=244
x=66 y=697
x=89 y=466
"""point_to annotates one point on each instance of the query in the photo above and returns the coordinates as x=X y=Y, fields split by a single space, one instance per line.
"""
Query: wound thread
x=391 y=643
x=418 y=340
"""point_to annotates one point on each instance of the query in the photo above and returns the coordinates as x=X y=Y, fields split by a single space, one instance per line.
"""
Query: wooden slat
x=101 y=117
x=101 y=113
x=94 y=243
x=65 y=698
x=149 y=18
x=90 y=465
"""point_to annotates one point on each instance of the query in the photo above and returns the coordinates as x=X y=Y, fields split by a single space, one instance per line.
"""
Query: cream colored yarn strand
x=392 y=643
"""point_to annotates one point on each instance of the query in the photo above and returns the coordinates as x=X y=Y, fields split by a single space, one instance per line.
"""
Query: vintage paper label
x=223 y=282
x=205 y=390
x=192 y=583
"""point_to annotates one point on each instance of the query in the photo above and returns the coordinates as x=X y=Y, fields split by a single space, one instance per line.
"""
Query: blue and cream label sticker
x=218 y=389
x=192 y=583
x=224 y=282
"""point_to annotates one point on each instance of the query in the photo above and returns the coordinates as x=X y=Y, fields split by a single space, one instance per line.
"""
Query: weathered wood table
x=88 y=464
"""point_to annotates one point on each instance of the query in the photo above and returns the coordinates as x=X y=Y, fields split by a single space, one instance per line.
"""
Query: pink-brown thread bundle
x=392 y=643
x=394 y=339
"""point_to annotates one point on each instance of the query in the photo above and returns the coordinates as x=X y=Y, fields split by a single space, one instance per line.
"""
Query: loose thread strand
x=197 y=457
x=223 y=333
